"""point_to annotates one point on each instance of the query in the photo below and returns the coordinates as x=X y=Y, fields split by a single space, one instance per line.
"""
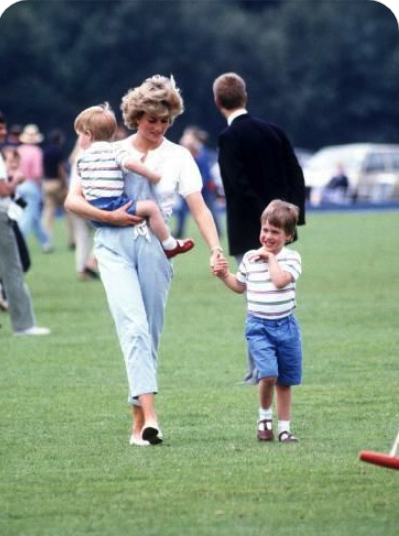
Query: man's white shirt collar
x=236 y=114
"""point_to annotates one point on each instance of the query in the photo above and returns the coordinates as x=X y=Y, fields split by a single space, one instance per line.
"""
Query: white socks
x=265 y=414
x=283 y=426
x=169 y=243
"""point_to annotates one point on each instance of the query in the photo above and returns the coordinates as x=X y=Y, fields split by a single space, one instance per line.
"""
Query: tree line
x=327 y=72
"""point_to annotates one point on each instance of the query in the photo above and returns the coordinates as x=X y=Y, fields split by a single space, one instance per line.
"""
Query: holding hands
x=220 y=268
x=218 y=263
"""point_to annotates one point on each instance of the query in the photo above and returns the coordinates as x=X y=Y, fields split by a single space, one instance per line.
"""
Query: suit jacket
x=257 y=165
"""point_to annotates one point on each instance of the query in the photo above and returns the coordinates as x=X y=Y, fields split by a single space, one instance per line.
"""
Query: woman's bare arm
x=75 y=202
x=205 y=223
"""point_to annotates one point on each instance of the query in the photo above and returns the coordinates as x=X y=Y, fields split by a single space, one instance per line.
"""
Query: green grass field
x=67 y=469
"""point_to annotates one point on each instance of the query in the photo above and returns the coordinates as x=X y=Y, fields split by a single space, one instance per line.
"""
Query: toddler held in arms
x=100 y=168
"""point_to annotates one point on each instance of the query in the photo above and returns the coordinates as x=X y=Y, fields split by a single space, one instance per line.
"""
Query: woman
x=134 y=268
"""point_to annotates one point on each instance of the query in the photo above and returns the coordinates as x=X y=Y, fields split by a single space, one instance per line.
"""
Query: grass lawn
x=66 y=467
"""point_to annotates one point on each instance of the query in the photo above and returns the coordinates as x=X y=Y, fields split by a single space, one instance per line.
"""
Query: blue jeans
x=136 y=275
x=31 y=220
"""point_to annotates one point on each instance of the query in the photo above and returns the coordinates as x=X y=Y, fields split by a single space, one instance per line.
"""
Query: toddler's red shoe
x=182 y=247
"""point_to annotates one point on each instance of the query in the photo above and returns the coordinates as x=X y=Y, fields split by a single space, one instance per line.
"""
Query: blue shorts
x=276 y=347
x=112 y=203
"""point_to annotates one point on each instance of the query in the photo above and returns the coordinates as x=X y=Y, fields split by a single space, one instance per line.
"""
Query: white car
x=372 y=170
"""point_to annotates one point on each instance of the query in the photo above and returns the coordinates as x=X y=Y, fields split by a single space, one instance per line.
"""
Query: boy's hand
x=215 y=256
x=220 y=268
x=260 y=255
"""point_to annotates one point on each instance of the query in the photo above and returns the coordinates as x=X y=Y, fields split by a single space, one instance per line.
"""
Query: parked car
x=303 y=155
x=372 y=170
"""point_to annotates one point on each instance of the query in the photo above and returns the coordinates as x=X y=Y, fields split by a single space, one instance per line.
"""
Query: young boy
x=268 y=277
x=100 y=168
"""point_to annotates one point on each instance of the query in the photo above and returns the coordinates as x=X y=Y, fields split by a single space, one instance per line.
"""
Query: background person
x=257 y=164
x=136 y=273
x=55 y=185
x=12 y=161
x=14 y=133
x=20 y=307
x=85 y=262
x=31 y=189
x=194 y=139
x=337 y=187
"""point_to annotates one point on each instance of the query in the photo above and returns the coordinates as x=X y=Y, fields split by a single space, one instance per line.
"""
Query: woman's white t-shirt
x=179 y=172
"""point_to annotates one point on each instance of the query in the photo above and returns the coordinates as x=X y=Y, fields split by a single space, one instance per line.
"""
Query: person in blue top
x=194 y=139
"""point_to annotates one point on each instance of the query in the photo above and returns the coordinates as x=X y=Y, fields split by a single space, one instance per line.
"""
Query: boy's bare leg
x=171 y=246
x=284 y=401
x=150 y=210
x=266 y=388
x=265 y=428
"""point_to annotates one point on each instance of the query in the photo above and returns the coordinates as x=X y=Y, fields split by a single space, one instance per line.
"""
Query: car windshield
x=349 y=158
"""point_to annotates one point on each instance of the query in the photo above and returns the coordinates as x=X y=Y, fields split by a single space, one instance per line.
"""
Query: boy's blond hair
x=99 y=120
x=282 y=215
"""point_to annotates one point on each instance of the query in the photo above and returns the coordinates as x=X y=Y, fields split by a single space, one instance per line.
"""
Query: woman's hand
x=121 y=218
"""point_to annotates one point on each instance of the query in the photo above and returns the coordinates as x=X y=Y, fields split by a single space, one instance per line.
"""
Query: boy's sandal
x=287 y=437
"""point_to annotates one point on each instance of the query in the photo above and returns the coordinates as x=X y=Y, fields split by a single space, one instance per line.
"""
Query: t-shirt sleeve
x=190 y=180
x=121 y=154
x=292 y=264
x=242 y=272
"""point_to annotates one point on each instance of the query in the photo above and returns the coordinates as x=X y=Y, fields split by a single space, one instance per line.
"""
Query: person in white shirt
x=136 y=273
x=20 y=307
x=268 y=277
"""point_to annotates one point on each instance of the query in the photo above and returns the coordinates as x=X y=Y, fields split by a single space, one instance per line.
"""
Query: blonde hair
x=99 y=120
x=158 y=96
x=282 y=215
x=229 y=91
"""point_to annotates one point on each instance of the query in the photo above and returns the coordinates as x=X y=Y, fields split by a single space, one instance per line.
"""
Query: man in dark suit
x=257 y=164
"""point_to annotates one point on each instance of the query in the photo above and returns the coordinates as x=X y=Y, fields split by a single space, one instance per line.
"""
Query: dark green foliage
x=326 y=71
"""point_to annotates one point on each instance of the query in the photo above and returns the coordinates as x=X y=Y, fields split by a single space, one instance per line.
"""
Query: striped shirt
x=100 y=168
x=264 y=299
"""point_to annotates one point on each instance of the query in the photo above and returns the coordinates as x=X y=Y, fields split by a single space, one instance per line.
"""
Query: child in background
x=268 y=276
x=100 y=168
